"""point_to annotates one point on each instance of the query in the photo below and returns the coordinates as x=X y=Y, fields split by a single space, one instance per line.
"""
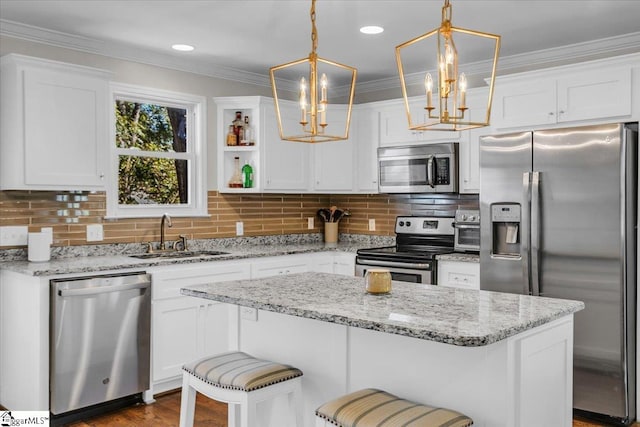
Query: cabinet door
x=323 y=262
x=65 y=129
x=285 y=164
x=594 y=95
x=469 y=147
x=280 y=265
x=175 y=335
x=333 y=166
x=524 y=104
x=366 y=150
x=394 y=127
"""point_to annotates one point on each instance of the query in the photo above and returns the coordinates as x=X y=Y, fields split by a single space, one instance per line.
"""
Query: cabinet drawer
x=459 y=274
x=167 y=283
x=280 y=265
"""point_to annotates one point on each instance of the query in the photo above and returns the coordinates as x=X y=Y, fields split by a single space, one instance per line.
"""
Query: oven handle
x=456 y=225
x=424 y=266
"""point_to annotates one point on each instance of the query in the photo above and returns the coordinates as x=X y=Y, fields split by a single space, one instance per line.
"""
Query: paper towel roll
x=39 y=247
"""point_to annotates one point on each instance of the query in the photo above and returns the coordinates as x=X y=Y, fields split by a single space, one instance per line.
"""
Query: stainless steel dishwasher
x=100 y=341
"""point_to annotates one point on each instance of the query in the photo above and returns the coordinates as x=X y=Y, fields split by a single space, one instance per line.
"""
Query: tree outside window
x=155 y=152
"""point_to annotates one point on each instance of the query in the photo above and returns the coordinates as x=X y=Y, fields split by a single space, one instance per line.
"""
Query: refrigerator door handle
x=535 y=233
x=524 y=247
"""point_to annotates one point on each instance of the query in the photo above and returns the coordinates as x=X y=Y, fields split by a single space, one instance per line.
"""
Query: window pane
x=150 y=127
x=148 y=180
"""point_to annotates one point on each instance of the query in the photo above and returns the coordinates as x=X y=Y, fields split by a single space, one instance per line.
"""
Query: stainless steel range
x=418 y=240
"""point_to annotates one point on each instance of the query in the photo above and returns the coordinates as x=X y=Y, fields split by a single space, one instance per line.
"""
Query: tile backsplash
x=262 y=214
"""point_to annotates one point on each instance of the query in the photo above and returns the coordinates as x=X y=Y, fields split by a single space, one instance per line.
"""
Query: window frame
x=196 y=154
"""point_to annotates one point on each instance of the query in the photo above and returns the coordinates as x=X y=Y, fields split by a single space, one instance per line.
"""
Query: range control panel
x=424 y=225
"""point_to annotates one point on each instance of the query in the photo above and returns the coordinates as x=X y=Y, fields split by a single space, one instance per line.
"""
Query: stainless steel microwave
x=429 y=168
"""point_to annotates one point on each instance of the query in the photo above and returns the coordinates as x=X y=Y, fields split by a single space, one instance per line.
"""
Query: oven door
x=467 y=237
x=403 y=272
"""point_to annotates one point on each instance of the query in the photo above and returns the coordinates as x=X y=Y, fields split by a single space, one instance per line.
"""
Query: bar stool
x=371 y=407
x=241 y=381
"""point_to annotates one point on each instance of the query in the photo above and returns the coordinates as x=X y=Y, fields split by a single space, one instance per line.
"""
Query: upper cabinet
x=366 y=139
x=548 y=98
x=394 y=126
x=54 y=125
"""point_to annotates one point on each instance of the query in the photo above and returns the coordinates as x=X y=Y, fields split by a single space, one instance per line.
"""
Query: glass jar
x=378 y=281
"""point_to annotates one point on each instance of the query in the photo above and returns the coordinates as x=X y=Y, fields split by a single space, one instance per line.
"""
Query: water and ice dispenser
x=505 y=229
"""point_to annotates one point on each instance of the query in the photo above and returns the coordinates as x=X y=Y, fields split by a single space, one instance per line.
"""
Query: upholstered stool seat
x=377 y=408
x=241 y=381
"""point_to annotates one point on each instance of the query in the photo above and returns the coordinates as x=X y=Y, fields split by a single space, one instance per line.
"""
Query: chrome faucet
x=168 y=218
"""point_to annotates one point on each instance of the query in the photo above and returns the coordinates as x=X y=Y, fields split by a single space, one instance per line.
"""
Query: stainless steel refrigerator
x=558 y=219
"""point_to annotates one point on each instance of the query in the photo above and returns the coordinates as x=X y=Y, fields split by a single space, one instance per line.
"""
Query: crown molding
x=128 y=53
x=579 y=52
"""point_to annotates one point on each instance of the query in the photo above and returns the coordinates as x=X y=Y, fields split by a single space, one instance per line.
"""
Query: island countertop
x=459 y=317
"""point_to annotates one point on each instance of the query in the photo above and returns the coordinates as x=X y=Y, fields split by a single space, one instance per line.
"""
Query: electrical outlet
x=310 y=223
x=372 y=224
x=14 y=235
x=95 y=233
x=239 y=228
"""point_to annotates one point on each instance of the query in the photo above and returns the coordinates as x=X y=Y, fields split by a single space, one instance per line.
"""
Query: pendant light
x=316 y=121
x=447 y=86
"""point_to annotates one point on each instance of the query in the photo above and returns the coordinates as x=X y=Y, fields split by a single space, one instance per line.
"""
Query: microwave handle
x=430 y=162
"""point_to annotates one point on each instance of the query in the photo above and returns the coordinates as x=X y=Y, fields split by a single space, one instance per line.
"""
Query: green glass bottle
x=247 y=175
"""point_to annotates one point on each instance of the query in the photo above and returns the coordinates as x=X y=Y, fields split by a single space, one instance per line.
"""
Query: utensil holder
x=330 y=232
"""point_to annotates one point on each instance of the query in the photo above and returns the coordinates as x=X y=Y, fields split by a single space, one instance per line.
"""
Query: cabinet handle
x=561 y=111
x=102 y=176
x=551 y=113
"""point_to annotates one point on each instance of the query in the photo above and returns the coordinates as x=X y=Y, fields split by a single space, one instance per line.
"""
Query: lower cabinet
x=186 y=328
x=457 y=274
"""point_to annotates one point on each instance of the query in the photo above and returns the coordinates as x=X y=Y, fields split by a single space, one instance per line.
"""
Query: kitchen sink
x=177 y=254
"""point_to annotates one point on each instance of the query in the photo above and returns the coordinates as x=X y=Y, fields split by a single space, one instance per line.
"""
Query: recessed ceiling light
x=182 y=47
x=371 y=29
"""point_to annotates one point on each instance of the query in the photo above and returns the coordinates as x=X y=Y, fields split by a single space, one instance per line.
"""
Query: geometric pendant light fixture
x=317 y=119
x=444 y=105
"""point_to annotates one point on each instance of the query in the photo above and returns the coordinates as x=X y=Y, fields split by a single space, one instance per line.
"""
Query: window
x=158 y=153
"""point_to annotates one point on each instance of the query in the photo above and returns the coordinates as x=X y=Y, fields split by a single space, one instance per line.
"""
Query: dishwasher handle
x=95 y=290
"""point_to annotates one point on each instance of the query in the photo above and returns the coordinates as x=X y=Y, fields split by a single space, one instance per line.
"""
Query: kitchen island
x=503 y=359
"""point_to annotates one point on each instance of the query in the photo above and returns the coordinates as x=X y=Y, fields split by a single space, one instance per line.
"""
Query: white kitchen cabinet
x=394 y=126
x=557 y=97
x=186 y=328
x=54 y=125
x=274 y=266
x=285 y=165
x=333 y=163
x=469 y=147
x=366 y=142
x=334 y=262
x=459 y=274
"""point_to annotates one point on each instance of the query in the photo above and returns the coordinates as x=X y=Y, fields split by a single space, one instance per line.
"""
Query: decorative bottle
x=232 y=139
x=236 y=178
x=248 y=133
x=247 y=175
x=238 y=126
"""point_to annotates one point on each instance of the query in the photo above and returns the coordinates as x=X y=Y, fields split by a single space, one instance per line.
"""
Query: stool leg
x=295 y=402
x=187 y=402
x=248 y=413
x=232 y=415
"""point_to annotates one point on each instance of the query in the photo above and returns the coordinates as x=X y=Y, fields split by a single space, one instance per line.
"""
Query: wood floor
x=165 y=412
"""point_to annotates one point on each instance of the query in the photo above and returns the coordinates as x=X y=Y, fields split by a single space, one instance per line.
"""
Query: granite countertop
x=85 y=264
x=459 y=257
x=453 y=316
x=95 y=258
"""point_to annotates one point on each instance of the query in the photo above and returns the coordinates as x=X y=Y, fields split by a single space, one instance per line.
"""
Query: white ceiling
x=242 y=39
